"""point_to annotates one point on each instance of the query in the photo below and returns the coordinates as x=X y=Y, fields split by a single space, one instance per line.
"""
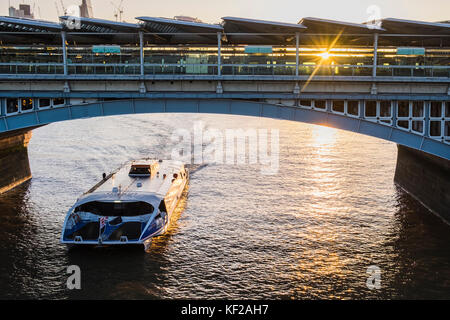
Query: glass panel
x=320 y=104
x=371 y=109
x=12 y=105
x=353 y=108
x=417 y=126
x=385 y=108
x=44 y=103
x=306 y=103
x=27 y=104
x=436 y=109
x=403 y=109
x=58 y=102
x=338 y=106
x=435 y=128
x=418 y=108
x=403 y=124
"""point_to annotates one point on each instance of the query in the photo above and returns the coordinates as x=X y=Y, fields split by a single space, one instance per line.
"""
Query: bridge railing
x=226 y=69
x=31 y=68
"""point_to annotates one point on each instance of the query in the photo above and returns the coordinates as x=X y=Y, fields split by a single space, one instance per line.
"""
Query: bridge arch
x=234 y=107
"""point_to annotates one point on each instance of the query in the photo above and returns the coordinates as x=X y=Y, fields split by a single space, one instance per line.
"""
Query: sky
x=277 y=10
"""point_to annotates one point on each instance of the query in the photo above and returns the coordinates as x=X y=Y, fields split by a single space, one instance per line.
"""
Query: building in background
x=24 y=11
x=86 y=9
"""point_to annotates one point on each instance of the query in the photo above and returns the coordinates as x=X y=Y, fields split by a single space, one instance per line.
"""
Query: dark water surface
x=309 y=231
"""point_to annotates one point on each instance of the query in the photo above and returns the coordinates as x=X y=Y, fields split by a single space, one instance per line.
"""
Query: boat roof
x=120 y=186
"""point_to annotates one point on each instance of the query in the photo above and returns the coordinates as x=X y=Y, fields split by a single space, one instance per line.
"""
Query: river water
x=308 y=232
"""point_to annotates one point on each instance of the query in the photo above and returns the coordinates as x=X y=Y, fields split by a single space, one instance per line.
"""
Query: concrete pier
x=14 y=164
x=426 y=178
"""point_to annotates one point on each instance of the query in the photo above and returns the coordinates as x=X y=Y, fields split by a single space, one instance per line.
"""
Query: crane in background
x=118 y=12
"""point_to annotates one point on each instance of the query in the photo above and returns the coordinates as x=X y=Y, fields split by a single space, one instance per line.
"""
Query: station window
x=44 y=103
x=371 y=109
x=418 y=109
x=403 y=109
x=338 y=106
x=447 y=128
x=385 y=109
x=436 y=109
x=306 y=103
x=353 y=107
x=447 y=110
x=320 y=104
x=59 y=102
x=403 y=124
x=12 y=106
x=435 y=128
x=26 y=104
x=417 y=126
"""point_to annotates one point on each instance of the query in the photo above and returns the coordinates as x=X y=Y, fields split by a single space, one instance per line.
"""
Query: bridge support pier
x=14 y=165
x=426 y=178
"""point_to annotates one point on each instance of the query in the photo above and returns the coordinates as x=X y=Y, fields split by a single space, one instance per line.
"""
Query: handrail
x=226 y=69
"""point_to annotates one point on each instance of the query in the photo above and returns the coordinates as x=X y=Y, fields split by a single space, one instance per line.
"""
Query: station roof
x=15 y=31
x=420 y=33
x=100 y=25
x=243 y=30
x=92 y=31
x=174 y=31
x=164 y=25
x=244 y=25
x=235 y=31
x=317 y=25
x=400 y=26
x=27 y=25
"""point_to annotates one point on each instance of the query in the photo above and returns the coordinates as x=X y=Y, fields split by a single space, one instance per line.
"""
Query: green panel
x=106 y=49
x=411 y=51
x=258 y=49
x=194 y=65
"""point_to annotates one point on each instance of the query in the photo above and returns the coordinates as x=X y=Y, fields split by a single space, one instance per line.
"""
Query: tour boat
x=132 y=205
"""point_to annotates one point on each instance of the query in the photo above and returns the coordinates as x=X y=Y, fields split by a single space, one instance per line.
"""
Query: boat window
x=140 y=170
x=116 y=209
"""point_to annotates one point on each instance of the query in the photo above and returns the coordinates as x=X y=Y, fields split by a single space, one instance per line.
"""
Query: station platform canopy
x=324 y=31
x=174 y=31
x=418 y=33
x=399 y=26
x=89 y=30
x=325 y=26
x=247 y=31
x=17 y=31
x=234 y=31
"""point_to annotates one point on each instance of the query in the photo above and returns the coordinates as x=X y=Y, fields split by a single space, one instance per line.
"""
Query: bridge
x=388 y=79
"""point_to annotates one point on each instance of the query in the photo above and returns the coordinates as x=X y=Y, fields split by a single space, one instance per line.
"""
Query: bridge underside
x=423 y=167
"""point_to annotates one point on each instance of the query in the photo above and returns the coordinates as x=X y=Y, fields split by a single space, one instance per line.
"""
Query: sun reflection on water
x=324 y=136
